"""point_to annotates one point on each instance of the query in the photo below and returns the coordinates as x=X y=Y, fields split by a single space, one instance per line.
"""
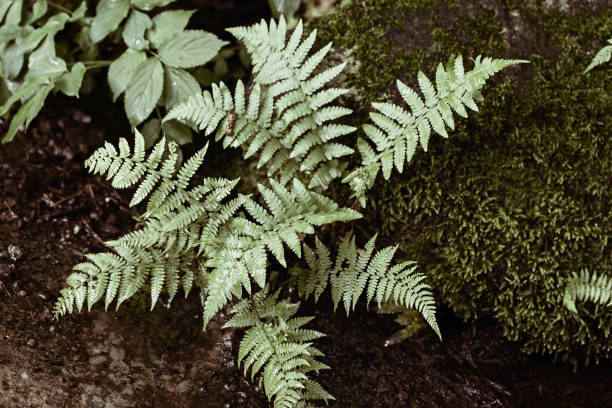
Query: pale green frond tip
x=604 y=55
x=588 y=287
x=355 y=272
x=396 y=130
x=276 y=347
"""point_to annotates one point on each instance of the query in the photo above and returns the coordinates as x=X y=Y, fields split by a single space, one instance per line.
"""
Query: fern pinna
x=604 y=55
x=355 y=272
x=206 y=236
x=276 y=342
x=588 y=287
x=286 y=114
x=396 y=132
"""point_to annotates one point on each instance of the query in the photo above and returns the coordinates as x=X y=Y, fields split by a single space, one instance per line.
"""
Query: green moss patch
x=519 y=197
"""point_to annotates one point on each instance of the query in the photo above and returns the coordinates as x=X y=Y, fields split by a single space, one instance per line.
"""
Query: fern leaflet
x=276 y=343
x=355 y=272
x=588 y=287
x=604 y=55
x=395 y=131
x=286 y=114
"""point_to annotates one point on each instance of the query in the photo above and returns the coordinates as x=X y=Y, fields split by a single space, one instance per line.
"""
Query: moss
x=518 y=198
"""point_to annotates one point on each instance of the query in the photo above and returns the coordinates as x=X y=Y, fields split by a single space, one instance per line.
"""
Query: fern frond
x=588 y=287
x=119 y=275
x=355 y=272
x=277 y=347
x=604 y=55
x=286 y=116
x=396 y=131
x=197 y=221
x=242 y=246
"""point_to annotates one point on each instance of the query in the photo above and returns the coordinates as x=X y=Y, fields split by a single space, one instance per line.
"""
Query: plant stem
x=59 y=7
x=94 y=64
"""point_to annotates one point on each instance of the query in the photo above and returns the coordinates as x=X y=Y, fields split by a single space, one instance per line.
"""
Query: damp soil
x=52 y=212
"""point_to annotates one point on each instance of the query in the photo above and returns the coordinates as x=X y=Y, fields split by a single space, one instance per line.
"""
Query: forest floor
x=52 y=213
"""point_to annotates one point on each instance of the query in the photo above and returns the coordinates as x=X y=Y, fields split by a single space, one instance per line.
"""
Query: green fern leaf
x=588 y=287
x=286 y=115
x=604 y=55
x=395 y=131
x=277 y=347
x=353 y=273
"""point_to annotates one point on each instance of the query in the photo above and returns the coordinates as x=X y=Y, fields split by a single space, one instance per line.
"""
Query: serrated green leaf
x=23 y=92
x=178 y=86
x=53 y=25
x=190 y=48
x=167 y=24
x=122 y=69
x=90 y=50
x=144 y=91
x=109 y=14
x=79 y=13
x=70 y=82
x=177 y=132
x=149 y=5
x=134 y=31
x=27 y=112
x=39 y=9
x=4 y=6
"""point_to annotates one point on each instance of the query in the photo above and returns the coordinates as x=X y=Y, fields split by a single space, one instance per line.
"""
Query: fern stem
x=59 y=7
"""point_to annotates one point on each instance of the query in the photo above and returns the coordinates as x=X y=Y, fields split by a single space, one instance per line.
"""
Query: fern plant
x=588 y=287
x=205 y=236
x=356 y=272
x=182 y=225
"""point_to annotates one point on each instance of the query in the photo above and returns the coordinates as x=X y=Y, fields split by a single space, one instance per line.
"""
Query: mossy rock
x=518 y=198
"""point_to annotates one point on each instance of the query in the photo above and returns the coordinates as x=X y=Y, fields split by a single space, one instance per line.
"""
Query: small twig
x=74 y=251
x=93 y=197
x=96 y=236
x=78 y=193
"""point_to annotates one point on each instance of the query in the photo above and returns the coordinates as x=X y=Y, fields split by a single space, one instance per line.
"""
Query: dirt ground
x=52 y=212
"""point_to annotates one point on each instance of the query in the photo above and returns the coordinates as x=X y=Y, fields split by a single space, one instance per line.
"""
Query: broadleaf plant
x=206 y=237
x=151 y=72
